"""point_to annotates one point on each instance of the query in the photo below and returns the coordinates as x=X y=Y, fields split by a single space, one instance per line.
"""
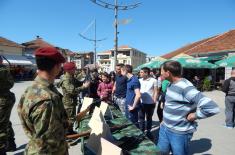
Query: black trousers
x=146 y=110
x=159 y=112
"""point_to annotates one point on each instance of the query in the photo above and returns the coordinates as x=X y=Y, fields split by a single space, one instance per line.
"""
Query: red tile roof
x=124 y=46
x=218 y=43
x=37 y=43
x=105 y=52
x=6 y=42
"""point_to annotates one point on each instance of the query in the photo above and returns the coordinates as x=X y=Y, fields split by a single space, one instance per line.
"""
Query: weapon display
x=87 y=133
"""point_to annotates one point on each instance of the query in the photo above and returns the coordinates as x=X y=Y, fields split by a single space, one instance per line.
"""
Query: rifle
x=87 y=133
x=82 y=114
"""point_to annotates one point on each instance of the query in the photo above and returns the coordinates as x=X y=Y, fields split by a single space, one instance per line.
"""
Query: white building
x=125 y=55
x=104 y=61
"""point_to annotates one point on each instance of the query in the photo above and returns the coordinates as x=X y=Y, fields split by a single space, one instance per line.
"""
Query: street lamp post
x=93 y=40
x=116 y=33
x=115 y=7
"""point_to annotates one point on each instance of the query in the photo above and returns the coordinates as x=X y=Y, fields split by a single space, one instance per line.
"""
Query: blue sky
x=157 y=26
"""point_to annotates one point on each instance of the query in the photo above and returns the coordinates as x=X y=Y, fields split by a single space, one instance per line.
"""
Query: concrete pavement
x=210 y=139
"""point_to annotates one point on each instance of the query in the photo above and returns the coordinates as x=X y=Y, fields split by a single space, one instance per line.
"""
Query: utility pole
x=115 y=7
x=93 y=40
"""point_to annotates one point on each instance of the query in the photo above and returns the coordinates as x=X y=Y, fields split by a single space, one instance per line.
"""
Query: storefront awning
x=16 y=60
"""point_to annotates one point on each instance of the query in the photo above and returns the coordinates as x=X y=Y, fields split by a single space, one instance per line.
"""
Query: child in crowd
x=104 y=90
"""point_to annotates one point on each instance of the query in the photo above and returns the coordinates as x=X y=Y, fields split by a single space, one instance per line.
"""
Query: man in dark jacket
x=229 y=89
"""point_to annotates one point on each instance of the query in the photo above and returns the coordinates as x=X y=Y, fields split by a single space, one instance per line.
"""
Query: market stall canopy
x=155 y=63
x=228 y=62
x=188 y=61
x=16 y=60
x=211 y=58
x=182 y=55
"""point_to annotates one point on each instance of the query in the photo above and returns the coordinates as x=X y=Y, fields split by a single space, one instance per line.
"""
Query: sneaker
x=228 y=127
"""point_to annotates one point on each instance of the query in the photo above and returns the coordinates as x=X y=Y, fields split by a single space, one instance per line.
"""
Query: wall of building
x=11 y=50
x=137 y=58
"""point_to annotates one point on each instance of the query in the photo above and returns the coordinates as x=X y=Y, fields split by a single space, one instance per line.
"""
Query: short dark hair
x=172 y=66
x=45 y=64
x=128 y=68
x=105 y=74
x=146 y=70
x=112 y=73
x=120 y=65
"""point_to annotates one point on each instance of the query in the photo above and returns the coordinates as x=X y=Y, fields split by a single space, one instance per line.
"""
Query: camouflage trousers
x=32 y=148
x=6 y=132
x=71 y=112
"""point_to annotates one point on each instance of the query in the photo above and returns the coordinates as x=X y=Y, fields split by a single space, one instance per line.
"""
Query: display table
x=128 y=137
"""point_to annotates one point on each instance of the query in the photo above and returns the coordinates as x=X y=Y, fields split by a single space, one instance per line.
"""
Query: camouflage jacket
x=6 y=80
x=70 y=88
x=44 y=119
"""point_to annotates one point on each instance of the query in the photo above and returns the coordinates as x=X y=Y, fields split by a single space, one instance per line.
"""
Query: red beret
x=50 y=52
x=69 y=66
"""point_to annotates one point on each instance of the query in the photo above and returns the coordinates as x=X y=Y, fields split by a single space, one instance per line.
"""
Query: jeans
x=132 y=115
x=175 y=142
x=146 y=110
x=120 y=102
x=230 y=110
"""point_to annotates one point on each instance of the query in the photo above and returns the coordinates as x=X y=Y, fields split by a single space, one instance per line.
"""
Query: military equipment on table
x=87 y=133
x=82 y=114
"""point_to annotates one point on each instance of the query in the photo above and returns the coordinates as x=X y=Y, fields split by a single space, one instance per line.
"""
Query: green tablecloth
x=129 y=138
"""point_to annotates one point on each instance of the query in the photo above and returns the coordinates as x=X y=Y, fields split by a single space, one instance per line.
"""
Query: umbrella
x=156 y=63
x=188 y=61
x=228 y=62
x=195 y=63
x=182 y=55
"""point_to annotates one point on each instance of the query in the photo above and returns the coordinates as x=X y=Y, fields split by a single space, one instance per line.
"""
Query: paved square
x=211 y=137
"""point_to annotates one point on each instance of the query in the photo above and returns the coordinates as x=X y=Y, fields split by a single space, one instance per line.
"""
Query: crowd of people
x=22 y=73
x=47 y=116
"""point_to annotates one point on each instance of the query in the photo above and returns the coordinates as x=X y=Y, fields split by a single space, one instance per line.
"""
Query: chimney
x=38 y=37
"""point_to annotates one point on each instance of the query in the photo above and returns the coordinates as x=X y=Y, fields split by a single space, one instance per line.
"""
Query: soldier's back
x=43 y=118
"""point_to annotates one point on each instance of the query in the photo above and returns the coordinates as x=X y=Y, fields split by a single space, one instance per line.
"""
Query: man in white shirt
x=148 y=90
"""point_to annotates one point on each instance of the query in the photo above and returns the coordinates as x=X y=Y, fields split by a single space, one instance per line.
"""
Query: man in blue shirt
x=119 y=89
x=132 y=94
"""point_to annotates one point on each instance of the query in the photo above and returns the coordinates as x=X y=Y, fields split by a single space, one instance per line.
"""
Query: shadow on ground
x=200 y=146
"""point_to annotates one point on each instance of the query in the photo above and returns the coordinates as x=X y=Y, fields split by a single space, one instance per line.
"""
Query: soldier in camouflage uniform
x=7 y=100
x=71 y=88
x=41 y=109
